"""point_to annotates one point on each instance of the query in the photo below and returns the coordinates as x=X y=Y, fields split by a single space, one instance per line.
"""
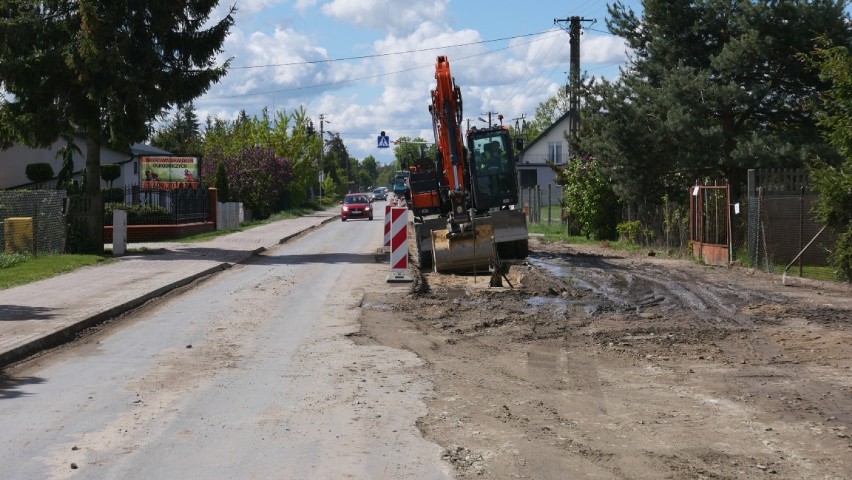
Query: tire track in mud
x=644 y=288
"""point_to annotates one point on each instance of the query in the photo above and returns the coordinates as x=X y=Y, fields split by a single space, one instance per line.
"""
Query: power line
x=377 y=55
x=528 y=81
x=350 y=80
x=596 y=30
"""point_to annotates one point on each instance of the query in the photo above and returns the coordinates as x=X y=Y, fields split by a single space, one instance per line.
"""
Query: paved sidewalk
x=44 y=314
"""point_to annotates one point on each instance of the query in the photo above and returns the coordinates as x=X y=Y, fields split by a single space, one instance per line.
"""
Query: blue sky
x=507 y=57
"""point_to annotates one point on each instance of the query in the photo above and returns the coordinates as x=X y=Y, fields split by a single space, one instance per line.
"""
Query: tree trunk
x=95 y=217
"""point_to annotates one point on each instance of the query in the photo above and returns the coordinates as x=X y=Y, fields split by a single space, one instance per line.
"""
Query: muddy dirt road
x=602 y=364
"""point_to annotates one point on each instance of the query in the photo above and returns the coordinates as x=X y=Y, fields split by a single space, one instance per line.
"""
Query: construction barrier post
x=387 y=245
x=399 y=246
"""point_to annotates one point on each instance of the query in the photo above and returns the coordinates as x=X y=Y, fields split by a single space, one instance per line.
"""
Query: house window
x=554 y=152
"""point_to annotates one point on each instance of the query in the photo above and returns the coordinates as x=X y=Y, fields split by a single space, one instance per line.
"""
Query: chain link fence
x=542 y=204
x=784 y=236
x=773 y=227
x=663 y=226
x=32 y=221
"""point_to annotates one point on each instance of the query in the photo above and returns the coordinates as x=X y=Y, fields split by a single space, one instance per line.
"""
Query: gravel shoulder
x=612 y=365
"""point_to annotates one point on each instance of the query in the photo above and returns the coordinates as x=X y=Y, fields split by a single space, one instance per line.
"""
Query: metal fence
x=542 y=203
x=772 y=229
x=784 y=235
x=663 y=226
x=32 y=221
x=158 y=207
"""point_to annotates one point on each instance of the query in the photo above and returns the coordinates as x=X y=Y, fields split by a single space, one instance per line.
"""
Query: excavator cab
x=492 y=168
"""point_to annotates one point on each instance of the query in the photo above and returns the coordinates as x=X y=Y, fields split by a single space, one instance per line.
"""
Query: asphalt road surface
x=248 y=374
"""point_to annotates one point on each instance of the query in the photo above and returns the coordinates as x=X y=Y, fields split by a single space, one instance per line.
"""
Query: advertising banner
x=168 y=173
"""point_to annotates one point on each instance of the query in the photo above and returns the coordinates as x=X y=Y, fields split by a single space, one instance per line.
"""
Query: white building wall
x=539 y=152
x=14 y=161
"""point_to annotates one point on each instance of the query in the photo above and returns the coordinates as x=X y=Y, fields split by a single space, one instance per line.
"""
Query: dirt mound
x=589 y=362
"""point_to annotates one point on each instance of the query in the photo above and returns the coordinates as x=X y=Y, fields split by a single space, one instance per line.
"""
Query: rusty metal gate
x=710 y=223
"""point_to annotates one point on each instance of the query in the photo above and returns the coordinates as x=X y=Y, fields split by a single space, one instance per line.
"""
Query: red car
x=356 y=205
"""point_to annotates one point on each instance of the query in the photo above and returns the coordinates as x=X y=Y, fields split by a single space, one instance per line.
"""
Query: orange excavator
x=464 y=201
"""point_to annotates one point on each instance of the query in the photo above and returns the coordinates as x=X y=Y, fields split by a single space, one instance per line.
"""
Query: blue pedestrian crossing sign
x=383 y=141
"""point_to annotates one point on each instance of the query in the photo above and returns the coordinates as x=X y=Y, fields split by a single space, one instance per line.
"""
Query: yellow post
x=18 y=235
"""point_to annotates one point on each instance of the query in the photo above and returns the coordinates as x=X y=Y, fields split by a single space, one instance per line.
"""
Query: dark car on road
x=356 y=205
x=380 y=193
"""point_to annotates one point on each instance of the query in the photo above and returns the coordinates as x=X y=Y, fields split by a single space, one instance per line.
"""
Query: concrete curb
x=71 y=332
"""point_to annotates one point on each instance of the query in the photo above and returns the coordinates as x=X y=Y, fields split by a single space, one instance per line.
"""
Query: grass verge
x=555 y=232
x=22 y=269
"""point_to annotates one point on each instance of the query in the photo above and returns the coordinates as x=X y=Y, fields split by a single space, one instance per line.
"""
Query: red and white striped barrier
x=399 y=246
x=387 y=246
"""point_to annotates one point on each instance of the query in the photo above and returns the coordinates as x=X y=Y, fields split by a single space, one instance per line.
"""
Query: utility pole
x=574 y=75
x=322 y=151
x=520 y=128
x=489 y=113
x=518 y=125
x=322 y=139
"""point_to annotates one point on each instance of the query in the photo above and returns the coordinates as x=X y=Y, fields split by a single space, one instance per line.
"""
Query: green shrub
x=110 y=172
x=834 y=207
x=628 y=231
x=633 y=232
x=11 y=259
x=589 y=198
x=220 y=181
x=137 y=214
x=841 y=256
x=39 y=172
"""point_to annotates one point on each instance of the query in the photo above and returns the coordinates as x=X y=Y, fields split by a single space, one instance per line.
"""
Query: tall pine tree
x=713 y=88
x=103 y=68
x=181 y=134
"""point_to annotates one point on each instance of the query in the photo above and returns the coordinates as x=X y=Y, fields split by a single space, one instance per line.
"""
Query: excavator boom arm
x=446 y=111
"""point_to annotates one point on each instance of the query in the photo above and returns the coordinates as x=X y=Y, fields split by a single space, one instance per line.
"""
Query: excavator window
x=488 y=154
x=493 y=176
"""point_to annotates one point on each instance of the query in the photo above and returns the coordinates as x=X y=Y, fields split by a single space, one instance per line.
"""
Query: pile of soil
x=592 y=362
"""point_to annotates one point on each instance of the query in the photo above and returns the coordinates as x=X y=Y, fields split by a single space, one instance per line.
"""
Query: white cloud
x=386 y=16
x=302 y=5
x=391 y=92
x=277 y=61
x=603 y=49
x=253 y=6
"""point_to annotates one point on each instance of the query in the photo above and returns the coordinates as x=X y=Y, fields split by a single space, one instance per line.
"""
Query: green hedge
x=113 y=195
x=137 y=214
x=39 y=172
x=110 y=172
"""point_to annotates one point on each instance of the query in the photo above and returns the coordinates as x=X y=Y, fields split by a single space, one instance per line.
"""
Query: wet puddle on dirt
x=560 y=271
x=558 y=306
x=640 y=288
x=555 y=305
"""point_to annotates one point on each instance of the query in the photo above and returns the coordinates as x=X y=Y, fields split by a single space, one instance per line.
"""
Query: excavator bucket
x=465 y=253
